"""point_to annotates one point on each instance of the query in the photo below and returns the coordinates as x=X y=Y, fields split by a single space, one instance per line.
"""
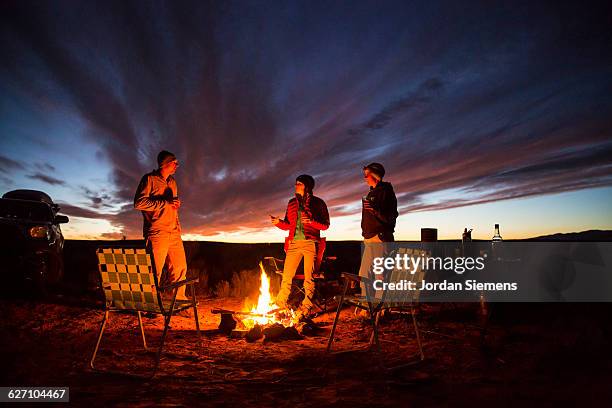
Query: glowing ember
x=266 y=312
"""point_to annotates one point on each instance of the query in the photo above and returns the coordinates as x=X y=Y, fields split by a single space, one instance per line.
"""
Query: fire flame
x=265 y=311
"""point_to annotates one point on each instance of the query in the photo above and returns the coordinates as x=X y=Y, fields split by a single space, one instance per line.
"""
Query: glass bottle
x=496 y=236
x=496 y=245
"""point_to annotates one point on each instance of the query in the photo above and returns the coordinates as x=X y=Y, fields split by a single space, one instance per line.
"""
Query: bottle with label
x=496 y=243
x=496 y=236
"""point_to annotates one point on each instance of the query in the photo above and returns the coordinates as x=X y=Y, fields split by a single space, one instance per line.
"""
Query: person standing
x=305 y=217
x=157 y=199
x=378 y=216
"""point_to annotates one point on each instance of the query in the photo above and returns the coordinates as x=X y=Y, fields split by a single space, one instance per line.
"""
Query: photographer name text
x=445 y=285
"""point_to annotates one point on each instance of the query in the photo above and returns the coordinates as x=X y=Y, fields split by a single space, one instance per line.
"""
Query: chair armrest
x=178 y=284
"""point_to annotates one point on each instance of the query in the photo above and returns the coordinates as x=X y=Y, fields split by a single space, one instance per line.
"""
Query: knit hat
x=376 y=169
x=307 y=180
x=164 y=157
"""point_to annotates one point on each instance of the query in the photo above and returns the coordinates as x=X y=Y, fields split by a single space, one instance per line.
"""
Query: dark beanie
x=377 y=169
x=165 y=157
x=307 y=180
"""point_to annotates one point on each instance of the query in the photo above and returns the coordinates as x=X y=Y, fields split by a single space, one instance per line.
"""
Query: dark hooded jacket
x=381 y=221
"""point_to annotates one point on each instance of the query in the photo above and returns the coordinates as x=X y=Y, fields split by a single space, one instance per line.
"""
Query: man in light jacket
x=157 y=198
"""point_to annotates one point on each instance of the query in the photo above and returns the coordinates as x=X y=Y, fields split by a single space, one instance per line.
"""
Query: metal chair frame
x=167 y=313
x=375 y=307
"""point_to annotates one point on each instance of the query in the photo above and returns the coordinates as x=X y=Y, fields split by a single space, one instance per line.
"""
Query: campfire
x=266 y=312
x=264 y=320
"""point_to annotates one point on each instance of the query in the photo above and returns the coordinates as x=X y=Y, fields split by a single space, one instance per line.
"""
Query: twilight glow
x=481 y=114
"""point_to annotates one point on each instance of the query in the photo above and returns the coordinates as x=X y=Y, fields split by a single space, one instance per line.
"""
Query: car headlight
x=39 y=232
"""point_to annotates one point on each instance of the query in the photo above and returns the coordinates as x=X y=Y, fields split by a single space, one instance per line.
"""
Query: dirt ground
x=544 y=355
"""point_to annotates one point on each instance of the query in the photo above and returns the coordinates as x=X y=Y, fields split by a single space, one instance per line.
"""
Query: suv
x=31 y=240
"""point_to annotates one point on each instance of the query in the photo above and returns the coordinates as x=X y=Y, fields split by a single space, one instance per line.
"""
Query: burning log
x=233 y=312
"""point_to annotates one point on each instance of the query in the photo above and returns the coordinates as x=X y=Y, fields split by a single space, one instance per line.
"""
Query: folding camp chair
x=130 y=285
x=319 y=301
x=403 y=301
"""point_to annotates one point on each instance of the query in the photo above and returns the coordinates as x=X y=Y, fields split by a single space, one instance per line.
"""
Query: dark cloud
x=423 y=95
x=98 y=199
x=46 y=179
x=503 y=100
x=76 y=211
x=45 y=167
x=8 y=165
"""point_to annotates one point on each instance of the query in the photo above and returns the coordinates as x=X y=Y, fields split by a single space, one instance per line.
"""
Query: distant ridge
x=584 y=236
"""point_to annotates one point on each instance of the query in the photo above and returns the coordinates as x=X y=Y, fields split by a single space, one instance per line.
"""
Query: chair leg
x=374 y=316
x=163 y=338
x=93 y=357
x=417 y=332
x=333 y=330
x=195 y=311
x=144 y=340
x=376 y=323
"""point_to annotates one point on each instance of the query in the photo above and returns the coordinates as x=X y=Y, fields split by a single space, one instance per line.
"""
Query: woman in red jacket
x=305 y=217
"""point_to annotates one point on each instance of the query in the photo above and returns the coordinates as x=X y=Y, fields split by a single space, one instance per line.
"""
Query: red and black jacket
x=314 y=208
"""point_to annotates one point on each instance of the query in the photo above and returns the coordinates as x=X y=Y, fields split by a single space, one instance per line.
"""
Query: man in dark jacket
x=378 y=216
x=305 y=217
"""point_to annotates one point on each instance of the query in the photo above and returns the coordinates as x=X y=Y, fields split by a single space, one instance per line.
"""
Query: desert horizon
x=270 y=203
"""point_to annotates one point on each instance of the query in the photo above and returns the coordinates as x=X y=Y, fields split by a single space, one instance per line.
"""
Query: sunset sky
x=480 y=114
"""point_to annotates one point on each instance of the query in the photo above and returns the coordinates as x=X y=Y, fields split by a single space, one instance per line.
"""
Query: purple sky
x=464 y=103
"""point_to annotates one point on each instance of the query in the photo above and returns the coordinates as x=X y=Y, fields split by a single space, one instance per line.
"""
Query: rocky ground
x=537 y=354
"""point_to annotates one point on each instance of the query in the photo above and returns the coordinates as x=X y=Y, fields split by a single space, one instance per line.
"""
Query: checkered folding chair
x=397 y=301
x=130 y=285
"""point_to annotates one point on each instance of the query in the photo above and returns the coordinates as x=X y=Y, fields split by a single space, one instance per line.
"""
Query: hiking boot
x=305 y=313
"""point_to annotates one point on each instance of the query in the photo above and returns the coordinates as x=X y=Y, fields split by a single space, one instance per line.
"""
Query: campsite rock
x=291 y=333
x=273 y=332
x=227 y=323
x=254 y=334
x=238 y=334
x=278 y=332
